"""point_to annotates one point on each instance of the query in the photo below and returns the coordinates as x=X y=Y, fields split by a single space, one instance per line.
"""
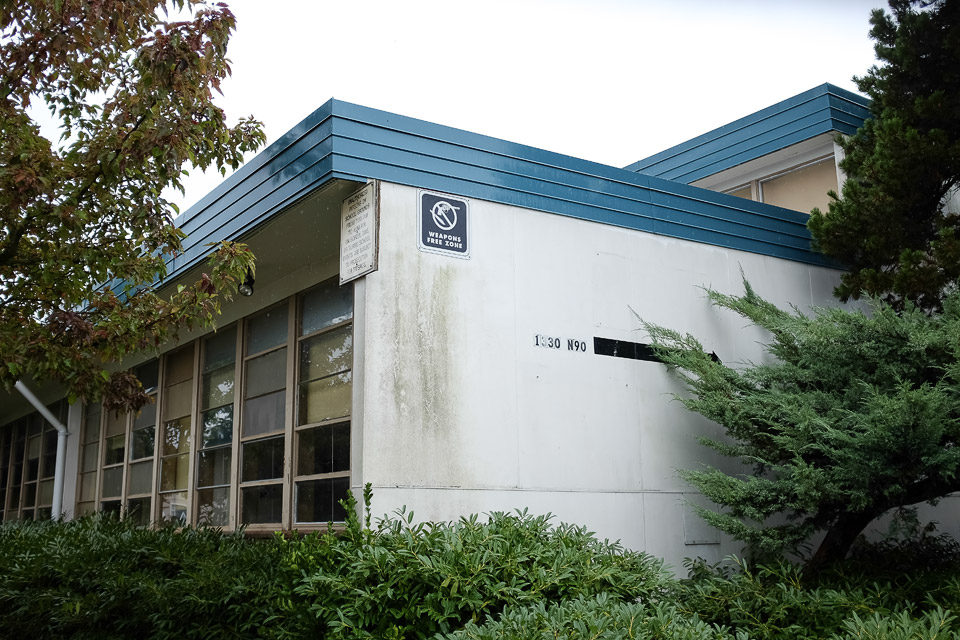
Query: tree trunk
x=840 y=537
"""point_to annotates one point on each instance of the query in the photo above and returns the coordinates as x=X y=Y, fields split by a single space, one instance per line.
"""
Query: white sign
x=359 y=224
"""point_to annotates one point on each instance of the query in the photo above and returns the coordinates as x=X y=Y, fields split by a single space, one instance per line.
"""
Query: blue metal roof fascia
x=434 y=159
x=774 y=140
x=342 y=140
x=288 y=169
x=837 y=109
x=411 y=152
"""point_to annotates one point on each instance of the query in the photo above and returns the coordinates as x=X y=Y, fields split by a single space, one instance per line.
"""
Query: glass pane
x=141 y=443
x=29 y=494
x=173 y=506
x=263 y=459
x=89 y=462
x=86 y=508
x=26 y=514
x=112 y=507
x=264 y=414
x=138 y=511
x=176 y=436
x=179 y=366
x=44 y=513
x=140 y=478
x=261 y=504
x=325 y=399
x=213 y=506
x=213 y=467
x=114 y=450
x=48 y=465
x=116 y=424
x=147 y=416
x=324 y=450
x=91 y=423
x=326 y=353
x=173 y=472
x=318 y=500
x=33 y=447
x=220 y=349
x=176 y=400
x=217 y=387
x=88 y=487
x=217 y=426
x=112 y=482
x=14 y=498
x=48 y=462
x=267 y=373
x=46 y=492
x=33 y=469
x=147 y=374
x=325 y=306
x=267 y=330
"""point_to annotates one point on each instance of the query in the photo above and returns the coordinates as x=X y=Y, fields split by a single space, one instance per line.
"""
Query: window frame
x=289 y=431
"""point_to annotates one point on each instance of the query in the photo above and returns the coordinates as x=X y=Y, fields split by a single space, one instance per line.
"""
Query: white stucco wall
x=463 y=413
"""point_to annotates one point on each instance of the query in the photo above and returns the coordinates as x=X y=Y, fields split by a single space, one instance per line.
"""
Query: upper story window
x=800 y=188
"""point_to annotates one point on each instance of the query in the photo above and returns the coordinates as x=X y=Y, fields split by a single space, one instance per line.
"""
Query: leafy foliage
x=857 y=414
x=403 y=579
x=598 y=618
x=514 y=576
x=892 y=223
x=103 y=578
x=852 y=599
x=133 y=97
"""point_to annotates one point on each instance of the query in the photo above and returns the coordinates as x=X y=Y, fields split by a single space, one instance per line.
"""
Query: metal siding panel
x=747 y=137
x=341 y=140
x=784 y=139
x=834 y=109
x=762 y=143
x=302 y=163
x=732 y=131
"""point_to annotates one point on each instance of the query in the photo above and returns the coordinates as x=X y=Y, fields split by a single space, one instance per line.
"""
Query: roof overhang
x=349 y=142
x=824 y=110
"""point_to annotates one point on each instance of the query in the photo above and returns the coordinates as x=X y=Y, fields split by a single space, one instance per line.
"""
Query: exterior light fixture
x=246 y=287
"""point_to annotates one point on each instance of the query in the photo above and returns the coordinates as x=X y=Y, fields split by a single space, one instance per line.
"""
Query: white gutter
x=57 y=511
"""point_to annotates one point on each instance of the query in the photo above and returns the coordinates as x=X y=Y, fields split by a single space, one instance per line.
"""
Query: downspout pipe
x=58 y=475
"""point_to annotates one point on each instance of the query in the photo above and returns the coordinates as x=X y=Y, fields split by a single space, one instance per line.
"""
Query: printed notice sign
x=443 y=225
x=359 y=222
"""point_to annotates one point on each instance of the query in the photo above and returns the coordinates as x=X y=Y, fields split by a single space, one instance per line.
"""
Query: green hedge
x=407 y=580
x=102 y=578
x=507 y=576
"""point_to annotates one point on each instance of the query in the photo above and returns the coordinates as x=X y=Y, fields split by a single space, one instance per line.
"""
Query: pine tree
x=894 y=223
x=857 y=413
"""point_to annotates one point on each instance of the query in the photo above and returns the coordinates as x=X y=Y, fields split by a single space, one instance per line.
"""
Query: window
x=800 y=188
x=250 y=426
x=175 y=433
x=28 y=457
x=215 y=454
x=324 y=390
x=143 y=437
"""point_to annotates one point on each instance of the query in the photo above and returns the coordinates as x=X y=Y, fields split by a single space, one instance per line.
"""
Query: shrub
x=403 y=579
x=99 y=577
x=597 y=618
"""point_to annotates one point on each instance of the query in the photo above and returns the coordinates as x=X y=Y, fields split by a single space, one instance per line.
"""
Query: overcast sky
x=606 y=80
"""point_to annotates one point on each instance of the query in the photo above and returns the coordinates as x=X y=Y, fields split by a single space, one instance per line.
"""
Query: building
x=487 y=354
